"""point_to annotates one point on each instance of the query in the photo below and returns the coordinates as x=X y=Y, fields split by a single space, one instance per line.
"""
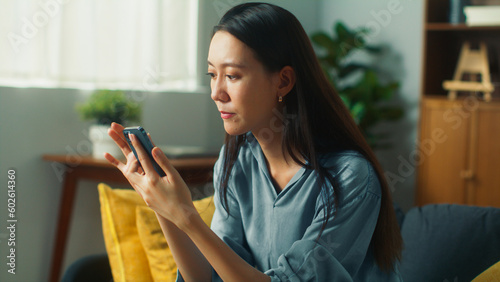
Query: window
x=129 y=44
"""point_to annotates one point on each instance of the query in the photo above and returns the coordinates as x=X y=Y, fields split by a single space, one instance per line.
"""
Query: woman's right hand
x=168 y=196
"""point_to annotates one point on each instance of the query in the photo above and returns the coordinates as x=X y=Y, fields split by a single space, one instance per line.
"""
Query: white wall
x=398 y=24
x=35 y=121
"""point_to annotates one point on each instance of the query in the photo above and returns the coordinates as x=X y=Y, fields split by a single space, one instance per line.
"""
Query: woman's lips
x=226 y=115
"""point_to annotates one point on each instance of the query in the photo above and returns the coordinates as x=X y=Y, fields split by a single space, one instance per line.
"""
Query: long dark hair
x=321 y=122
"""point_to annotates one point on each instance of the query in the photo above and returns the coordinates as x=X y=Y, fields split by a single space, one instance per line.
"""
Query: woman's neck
x=280 y=163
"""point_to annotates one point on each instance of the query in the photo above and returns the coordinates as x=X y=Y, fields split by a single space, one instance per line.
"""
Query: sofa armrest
x=90 y=268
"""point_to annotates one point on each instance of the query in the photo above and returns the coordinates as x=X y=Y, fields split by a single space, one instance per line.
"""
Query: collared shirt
x=277 y=233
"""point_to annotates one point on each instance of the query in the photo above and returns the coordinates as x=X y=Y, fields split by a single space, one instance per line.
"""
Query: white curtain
x=130 y=44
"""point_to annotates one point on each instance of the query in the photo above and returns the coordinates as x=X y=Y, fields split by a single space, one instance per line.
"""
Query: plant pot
x=102 y=143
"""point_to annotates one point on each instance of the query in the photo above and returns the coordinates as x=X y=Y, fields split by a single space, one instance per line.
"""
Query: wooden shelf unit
x=436 y=26
x=463 y=166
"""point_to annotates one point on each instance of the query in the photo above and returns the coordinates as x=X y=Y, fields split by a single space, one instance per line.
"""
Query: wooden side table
x=193 y=171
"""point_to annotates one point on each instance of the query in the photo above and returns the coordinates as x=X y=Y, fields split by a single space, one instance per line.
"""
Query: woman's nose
x=218 y=90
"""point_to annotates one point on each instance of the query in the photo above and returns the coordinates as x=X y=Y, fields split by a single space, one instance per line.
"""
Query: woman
x=299 y=194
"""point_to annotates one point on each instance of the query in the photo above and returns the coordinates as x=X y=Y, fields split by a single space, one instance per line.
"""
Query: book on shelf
x=484 y=15
x=456 y=11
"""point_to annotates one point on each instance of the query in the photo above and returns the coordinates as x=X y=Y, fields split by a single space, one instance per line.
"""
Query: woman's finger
x=119 y=139
x=163 y=162
x=114 y=161
x=131 y=166
x=117 y=127
x=146 y=164
x=131 y=177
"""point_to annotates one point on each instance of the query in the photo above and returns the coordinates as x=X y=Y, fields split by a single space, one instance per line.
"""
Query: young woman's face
x=244 y=92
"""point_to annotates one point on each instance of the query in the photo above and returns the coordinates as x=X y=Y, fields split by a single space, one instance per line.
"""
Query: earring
x=280 y=99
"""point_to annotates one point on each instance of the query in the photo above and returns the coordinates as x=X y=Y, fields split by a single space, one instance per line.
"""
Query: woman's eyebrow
x=229 y=64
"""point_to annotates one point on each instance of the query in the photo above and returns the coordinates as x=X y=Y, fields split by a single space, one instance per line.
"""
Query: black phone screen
x=143 y=138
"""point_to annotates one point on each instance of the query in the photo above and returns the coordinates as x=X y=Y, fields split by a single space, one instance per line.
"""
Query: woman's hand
x=168 y=196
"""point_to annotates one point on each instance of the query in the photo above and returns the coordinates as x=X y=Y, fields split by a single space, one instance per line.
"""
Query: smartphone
x=143 y=138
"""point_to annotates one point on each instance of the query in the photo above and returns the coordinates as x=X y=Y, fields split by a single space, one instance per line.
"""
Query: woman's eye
x=231 y=77
x=211 y=74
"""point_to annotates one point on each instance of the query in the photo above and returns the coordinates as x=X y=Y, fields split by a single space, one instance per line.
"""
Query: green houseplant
x=358 y=83
x=107 y=106
x=104 y=107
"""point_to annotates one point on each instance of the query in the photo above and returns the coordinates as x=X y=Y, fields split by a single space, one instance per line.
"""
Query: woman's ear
x=287 y=81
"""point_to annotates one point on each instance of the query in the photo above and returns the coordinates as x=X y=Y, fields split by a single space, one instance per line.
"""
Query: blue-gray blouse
x=277 y=233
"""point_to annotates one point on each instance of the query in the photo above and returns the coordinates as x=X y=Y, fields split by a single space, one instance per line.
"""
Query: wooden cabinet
x=459 y=141
x=485 y=184
x=459 y=149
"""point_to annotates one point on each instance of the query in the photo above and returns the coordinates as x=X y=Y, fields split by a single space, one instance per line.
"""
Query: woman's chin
x=232 y=130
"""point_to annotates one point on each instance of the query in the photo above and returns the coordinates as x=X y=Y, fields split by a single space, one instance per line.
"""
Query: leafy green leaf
x=342 y=31
x=358 y=110
x=323 y=40
x=374 y=49
x=345 y=99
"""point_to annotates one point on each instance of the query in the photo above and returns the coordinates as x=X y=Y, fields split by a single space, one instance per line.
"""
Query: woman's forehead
x=227 y=50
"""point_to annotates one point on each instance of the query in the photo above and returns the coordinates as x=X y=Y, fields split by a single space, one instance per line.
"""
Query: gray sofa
x=449 y=242
x=442 y=243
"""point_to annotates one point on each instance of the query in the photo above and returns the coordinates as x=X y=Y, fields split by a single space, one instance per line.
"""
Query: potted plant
x=358 y=84
x=104 y=107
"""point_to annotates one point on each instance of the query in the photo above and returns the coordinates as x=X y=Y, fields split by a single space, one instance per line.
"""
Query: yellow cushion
x=161 y=261
x=135 y=244
x=489 y=275
x=127 y=258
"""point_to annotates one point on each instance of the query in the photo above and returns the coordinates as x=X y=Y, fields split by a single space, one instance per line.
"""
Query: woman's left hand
x=168 y=196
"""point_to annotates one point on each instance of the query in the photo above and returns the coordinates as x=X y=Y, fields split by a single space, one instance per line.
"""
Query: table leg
x=65 y=211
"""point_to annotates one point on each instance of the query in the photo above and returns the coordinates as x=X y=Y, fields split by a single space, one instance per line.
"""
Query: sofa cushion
x=490 y=274
x=161 y=261
x=127 y=257
x=449 y=242
x=135 y=244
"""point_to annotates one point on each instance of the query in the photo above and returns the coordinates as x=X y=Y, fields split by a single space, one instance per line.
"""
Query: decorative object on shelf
x=485 y=2
x=475 y=64
x=104 y=107
x=482 y=15
x=358 y=84
x=456 y=13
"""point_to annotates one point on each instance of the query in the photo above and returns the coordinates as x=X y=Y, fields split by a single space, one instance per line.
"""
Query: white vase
x=102 y=143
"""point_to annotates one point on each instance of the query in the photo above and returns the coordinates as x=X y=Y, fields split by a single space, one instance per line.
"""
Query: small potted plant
x=104 y=107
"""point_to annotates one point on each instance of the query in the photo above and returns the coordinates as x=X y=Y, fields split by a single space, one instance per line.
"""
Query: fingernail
x=131 y=136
